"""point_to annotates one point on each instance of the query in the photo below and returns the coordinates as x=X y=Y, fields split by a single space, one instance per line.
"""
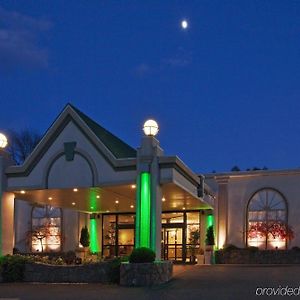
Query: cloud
x=180 y=59
x=142 y=69
x=19 y=41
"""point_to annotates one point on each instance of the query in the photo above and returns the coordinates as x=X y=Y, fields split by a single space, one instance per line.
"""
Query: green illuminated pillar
x=144 y=210
x=148 y=196
x=94 y=244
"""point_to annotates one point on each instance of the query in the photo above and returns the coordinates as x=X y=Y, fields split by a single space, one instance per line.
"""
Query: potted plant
x=194 y=241
x=85 y=239
x=210 y=242
x=200 y=257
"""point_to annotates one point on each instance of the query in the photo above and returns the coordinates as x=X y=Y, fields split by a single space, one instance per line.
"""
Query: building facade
x=82 y=175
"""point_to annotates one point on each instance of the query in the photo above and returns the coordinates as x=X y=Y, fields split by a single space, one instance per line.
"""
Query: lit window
x=46 y=229
x=267 y=220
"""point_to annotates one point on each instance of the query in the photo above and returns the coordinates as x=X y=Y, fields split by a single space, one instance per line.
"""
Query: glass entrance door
x=172 y=239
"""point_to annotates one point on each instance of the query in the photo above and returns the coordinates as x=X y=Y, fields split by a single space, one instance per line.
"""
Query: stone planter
x=146 y=274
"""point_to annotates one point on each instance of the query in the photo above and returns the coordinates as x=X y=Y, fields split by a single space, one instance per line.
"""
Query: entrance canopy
x=80 y=165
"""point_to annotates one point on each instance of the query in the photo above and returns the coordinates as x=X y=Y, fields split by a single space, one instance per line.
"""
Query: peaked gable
x=114 y=150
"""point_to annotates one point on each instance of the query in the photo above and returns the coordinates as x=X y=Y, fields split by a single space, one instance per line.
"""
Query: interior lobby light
x=73 y=203
x=3 y=140
x=163 y=199
x=133 y=186
x=150 y=128
x=183 y=208
x=75 y=190
x=98 y=196
x=131 y=206
x=117 y=201
x=50 y=198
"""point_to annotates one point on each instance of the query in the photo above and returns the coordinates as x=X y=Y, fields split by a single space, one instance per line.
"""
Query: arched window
x=267 y=220
x=46 y=229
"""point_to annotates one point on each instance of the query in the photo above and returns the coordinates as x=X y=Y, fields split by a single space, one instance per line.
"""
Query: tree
x=84 y=237
x=40 y=233
x=210 y=237
x=275 y=229
x=21 y=144
x=235 y=169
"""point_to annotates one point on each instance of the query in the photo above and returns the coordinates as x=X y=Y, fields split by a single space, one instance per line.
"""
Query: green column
x=94 y=244
x=143 y=211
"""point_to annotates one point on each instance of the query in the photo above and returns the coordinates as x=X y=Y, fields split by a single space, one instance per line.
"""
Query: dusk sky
x=225 y=91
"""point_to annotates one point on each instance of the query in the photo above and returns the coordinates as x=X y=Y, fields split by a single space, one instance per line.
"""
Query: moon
x=184 y=24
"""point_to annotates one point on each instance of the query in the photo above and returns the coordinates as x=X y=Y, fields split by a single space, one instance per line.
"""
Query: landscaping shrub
x=230 y=247
x=12 y=267
x=296 y=248
x=70 y=257
x=252 y=248
x=142 y=255
x=210 y=237
x=84 y=237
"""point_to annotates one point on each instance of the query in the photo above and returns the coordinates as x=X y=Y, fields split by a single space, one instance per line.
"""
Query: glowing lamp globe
x=3 y=141
x=150 y=128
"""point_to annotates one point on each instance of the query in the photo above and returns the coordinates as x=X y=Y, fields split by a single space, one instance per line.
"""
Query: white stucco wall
x=71 y=133
x=241 y=189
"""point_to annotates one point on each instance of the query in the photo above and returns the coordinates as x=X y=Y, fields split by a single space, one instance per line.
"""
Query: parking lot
x=189 y=282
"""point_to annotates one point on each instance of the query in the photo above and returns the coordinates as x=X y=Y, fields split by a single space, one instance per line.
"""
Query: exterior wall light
x=3 y=141
x=150 y=128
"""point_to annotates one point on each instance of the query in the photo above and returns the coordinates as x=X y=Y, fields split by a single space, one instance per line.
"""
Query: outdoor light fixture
x=75 y=190
x=22 y=192
x=3 y=141
x=131 y=206
x=117 y=201
x=50 y=198
x=73 y=203
x=98 y=196
x=133 y=186
x=163 y=199
x=150 y=128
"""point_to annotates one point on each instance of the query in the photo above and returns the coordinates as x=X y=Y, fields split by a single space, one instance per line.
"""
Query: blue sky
x=225 y=92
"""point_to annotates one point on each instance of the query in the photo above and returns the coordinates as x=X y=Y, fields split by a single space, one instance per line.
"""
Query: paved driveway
x=190 y=282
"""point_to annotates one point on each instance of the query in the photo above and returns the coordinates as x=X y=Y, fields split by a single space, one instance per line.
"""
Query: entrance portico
x=84 y=169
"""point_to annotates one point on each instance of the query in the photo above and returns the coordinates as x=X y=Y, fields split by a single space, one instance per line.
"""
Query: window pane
x=192 y=217
x=126 y=219
x=109 y=229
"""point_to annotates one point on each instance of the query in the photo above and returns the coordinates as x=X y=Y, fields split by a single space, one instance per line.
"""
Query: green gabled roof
x=116 y=146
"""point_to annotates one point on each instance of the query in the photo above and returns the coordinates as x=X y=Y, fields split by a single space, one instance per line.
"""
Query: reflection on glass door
x=172 y=243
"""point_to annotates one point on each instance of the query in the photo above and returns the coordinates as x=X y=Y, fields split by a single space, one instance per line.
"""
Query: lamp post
x=148 y=192
x=3 y=141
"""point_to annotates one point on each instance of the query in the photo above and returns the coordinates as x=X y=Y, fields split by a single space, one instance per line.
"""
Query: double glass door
x=172 y=242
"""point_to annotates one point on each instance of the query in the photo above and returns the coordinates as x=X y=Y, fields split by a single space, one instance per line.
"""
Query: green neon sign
x=94 y=245
x=145 y=210
x=209 y=221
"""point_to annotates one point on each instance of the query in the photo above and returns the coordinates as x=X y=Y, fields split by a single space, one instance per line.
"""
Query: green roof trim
x=115 y=145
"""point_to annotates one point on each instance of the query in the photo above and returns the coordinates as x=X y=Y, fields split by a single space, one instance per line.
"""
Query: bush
x=230 y=247
x=252 y=248
x=70 y=257
x=210 y=237
x=12 y=267
x=84 y=237
x=142 y=255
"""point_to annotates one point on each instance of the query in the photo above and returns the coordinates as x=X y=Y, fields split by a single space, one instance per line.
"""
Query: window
x=267 y=220
x=46 y=229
